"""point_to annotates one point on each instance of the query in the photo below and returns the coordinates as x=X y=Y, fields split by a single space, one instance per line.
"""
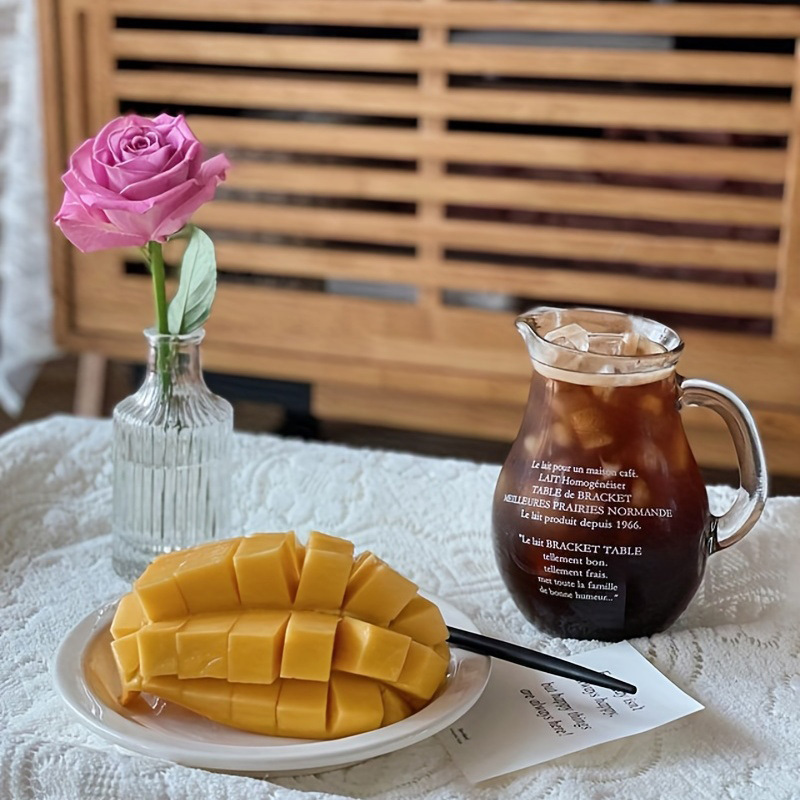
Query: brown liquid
x=600 y=516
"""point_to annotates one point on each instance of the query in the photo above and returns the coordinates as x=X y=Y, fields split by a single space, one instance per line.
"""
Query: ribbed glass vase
x=172 y=444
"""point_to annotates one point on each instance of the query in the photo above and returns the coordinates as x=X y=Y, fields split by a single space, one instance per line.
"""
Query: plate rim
x=70 y=682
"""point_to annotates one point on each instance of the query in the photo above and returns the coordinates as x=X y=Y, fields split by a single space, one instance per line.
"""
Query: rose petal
x=126 y=173
x=212 y=173
x=86 y=233
x=158 y=183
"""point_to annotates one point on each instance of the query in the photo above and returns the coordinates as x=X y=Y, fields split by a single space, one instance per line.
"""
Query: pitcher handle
x=752 y=495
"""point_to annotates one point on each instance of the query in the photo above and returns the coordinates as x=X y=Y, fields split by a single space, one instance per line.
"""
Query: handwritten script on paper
x=525 y=717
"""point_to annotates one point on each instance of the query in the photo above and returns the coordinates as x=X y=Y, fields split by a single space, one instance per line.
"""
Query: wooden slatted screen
x=409 y=174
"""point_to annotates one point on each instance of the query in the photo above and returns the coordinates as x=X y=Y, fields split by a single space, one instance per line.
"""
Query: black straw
x=506 y=651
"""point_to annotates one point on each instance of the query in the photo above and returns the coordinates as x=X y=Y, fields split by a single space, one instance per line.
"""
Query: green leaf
x=191 y=305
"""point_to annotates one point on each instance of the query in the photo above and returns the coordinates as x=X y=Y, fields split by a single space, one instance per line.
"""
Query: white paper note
x=525 y=717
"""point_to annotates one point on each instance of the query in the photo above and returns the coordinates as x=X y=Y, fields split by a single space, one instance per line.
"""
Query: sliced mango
x=267 y=636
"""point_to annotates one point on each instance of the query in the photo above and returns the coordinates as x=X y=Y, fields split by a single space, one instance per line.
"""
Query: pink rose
x=138 y=180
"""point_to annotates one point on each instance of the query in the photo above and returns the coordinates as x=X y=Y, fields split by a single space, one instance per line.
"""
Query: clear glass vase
x=172 y=445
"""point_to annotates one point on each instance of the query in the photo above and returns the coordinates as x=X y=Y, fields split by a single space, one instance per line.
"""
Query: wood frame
x=423 y=163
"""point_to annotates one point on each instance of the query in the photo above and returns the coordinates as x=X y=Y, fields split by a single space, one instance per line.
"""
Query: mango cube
x=158 y=591
x=129 y=616
x=206 y=577
x=326 y=569
x=254 y=707
x=395 y=707
x=202 y=646
x=207 y=696
x=158 y=652
x=422 y=673
x=302 y=709
x=354 y=705
x=422 y=621
x=375 y=592
x=255 y=646
x=126 y=656
x=308 y=646
x=267 y=569
x=369 y=650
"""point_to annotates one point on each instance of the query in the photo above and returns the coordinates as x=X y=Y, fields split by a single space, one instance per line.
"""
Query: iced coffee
x=600 y=516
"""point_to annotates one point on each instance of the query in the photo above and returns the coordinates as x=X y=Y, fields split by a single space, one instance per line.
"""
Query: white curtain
x=26 y=337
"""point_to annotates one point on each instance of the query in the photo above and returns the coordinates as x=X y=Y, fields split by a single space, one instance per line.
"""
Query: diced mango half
x=264 y=635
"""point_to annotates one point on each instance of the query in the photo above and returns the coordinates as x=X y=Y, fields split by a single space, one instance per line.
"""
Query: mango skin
x=265 y=635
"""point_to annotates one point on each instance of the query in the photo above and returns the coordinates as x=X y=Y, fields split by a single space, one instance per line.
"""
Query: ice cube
x=652 y=404
x=590 y=427
x=532 y=443
x=572 y=336
x=614 y=344
x=560 y=434
x=604 y=392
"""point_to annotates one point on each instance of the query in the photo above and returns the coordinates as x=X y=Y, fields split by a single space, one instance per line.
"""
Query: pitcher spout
x=526 y=325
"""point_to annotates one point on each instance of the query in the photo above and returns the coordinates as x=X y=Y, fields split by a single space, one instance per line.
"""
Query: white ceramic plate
x=86 y=678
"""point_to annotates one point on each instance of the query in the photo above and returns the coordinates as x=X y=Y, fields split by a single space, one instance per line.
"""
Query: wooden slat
x=55 y=129
x=532 y=151
x=395 y=334
x=408 y=410
x=787 y=299
x=583 y=198
x=551 y=108
x=608 y=289
x=754 y=20
x=779 y=430
x=596 y=64
x=497 y=420
x=550 y=284
x=299 y=52
x=493 y=237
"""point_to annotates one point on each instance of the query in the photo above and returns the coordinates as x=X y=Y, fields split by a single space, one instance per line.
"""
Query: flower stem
x=155 y=256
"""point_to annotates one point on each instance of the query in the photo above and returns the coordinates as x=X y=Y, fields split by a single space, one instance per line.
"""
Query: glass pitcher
x=600 y=516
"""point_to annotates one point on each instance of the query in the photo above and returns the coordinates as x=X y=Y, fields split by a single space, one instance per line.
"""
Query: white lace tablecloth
x=736 y=649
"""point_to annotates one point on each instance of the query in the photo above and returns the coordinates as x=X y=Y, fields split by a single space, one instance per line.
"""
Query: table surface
x=736 y=649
